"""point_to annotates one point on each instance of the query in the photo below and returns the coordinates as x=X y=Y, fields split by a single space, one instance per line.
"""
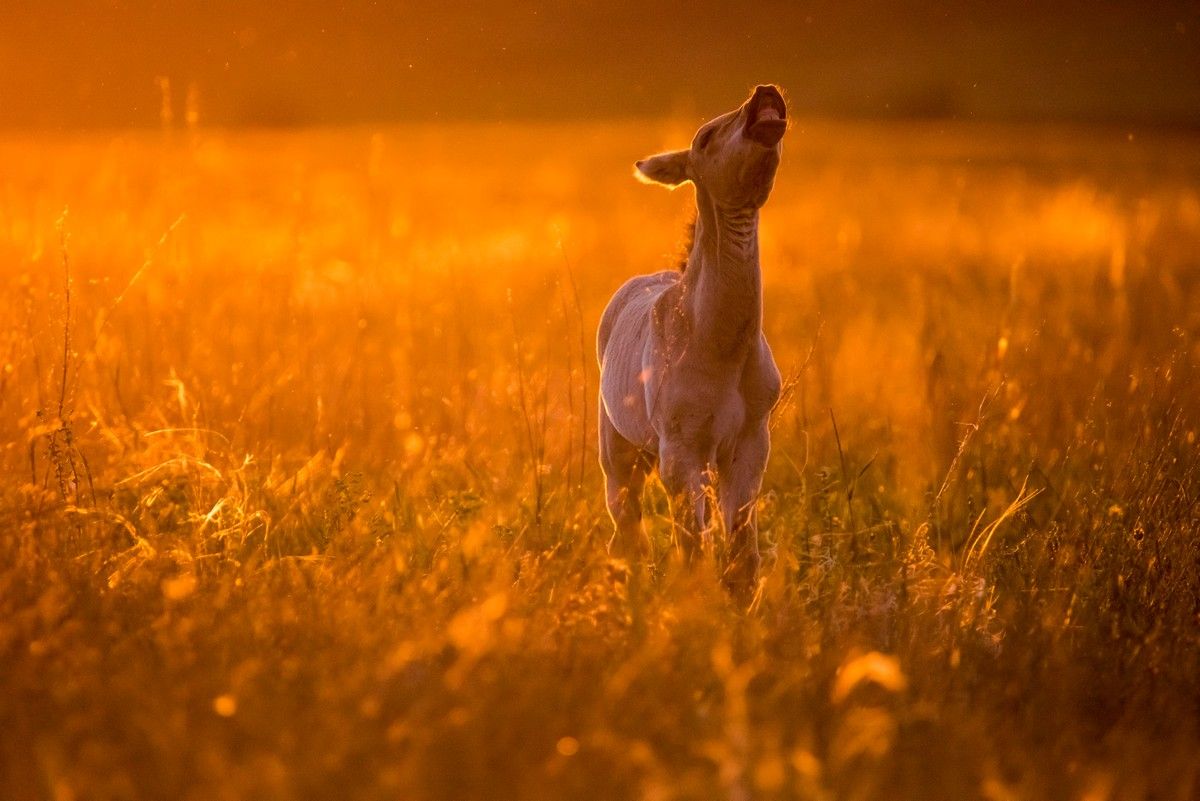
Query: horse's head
x=732 y=158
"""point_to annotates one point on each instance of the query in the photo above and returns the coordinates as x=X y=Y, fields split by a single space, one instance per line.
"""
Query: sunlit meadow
x=301 y=499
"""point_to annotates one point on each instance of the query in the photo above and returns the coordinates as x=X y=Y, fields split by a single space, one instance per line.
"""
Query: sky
x=97 y=63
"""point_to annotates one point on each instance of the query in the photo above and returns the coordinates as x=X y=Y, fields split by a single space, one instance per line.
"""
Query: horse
x=687 y=379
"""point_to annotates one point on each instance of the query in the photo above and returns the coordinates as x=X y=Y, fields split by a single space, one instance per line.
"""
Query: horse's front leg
x=687 y=478
x=741 y=480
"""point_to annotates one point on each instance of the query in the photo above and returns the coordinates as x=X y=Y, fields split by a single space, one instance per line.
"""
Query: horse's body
x=687 y=379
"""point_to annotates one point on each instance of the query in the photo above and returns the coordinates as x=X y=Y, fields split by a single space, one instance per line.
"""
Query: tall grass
x=343 y=535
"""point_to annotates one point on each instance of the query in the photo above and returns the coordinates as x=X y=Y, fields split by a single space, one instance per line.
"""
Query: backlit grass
x=314 y=511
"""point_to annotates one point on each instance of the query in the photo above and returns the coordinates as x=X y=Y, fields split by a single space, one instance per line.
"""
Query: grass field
x=301 y=500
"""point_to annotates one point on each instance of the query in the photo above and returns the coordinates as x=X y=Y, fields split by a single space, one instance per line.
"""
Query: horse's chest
x=699 y=394
x=711 y=407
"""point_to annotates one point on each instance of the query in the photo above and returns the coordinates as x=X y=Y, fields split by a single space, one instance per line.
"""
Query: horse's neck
x=722 y=285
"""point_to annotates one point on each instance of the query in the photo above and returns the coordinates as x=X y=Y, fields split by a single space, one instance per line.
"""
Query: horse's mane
x=689 y=239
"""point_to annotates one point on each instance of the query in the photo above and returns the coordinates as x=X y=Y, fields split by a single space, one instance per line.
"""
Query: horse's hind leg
x=625 y=467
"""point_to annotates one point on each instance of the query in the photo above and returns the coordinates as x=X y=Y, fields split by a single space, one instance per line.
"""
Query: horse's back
x=629 y=310
x=621 y=345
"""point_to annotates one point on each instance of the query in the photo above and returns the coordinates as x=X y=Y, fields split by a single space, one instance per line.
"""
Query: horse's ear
x=670 y=169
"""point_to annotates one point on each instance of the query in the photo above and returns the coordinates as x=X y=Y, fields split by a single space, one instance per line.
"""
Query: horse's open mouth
x=766 y=117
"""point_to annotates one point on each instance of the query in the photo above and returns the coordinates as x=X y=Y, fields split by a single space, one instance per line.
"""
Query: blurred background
x=100 y=63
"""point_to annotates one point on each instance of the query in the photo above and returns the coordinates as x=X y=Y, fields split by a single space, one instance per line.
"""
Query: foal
x=687 y=379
